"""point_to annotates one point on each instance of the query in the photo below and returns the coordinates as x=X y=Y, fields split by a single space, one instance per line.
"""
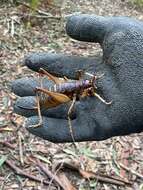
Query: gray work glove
x=121 y=40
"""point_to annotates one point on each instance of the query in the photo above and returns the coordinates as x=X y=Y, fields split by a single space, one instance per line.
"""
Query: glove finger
x=26 y=86
x=61 y=65
x=57 y=130
x=92 y=28
x=89 y=28
x=25 y=106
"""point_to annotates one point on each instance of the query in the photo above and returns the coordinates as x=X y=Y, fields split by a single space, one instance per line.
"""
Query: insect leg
x=69 y=120
x=96 y=77
x=59 y=97
x=102 y=100
x=56 y=80
x=38 y=104
x=66 y=79
x=39 y=124
x=80 y=74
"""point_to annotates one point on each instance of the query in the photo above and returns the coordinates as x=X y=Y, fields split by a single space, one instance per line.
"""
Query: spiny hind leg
x=69 y=120
x=55 y=79
x=59 y=97
x=39 y=124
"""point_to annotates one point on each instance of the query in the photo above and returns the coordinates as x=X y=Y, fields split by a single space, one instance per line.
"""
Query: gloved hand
x=121 y=40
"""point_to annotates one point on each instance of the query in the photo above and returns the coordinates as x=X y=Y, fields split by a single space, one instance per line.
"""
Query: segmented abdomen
x=67 y=88
x=71 y=87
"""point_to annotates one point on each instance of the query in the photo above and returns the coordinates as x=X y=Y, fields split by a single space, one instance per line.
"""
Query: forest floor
x=24 y=156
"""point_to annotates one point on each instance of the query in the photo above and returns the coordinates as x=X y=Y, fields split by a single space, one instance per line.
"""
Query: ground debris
x=19 y=35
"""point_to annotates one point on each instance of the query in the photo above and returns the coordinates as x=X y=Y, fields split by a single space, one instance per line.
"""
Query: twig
x=37 y=10
x=124 y=153
x=38 y=16
x=93 y=175
x=17 y=126
x=61 y=179
x=66 y=181
x=50 y=174
x=20 y=172
x=7 y=144
x=6 y=129
x=4 y=181
x=131 y=171
x=104 y=178
x=55 y=173
x=20 y=149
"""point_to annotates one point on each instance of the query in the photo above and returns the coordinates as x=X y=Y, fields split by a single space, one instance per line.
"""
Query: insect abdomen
x=69 y=87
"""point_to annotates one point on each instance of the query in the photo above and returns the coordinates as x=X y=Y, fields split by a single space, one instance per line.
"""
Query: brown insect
x=65 y=90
